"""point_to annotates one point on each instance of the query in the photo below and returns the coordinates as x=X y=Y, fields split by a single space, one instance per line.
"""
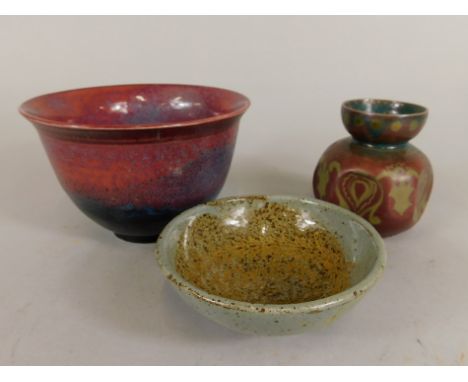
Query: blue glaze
x=126 y=220
x=201 y=181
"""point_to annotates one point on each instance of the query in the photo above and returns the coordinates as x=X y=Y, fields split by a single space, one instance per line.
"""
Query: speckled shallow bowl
x=360 y=241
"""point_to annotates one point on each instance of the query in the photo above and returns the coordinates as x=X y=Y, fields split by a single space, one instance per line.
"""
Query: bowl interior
x=386 y=107
x=360 y=242
x=130 y=105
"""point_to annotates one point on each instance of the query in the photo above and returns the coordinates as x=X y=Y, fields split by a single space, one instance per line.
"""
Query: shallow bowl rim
x=144 y=126
x=346 y=105
x=315 y=306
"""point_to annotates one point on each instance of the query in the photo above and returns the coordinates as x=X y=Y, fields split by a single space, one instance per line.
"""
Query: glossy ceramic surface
x=378 y=175
x=383 y=121
x=361 y=244
x=131 y=157
x=387 y=185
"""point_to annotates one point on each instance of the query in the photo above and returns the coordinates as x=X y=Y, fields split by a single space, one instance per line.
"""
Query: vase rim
x=348 y=105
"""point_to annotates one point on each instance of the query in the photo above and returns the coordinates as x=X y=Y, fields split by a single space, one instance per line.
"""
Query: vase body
x=388 y=184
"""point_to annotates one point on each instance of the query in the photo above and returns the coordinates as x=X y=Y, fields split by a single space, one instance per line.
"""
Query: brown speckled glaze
x=266 y=257
x=361 y=245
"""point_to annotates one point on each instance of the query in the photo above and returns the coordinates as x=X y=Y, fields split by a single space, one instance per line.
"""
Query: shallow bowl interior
x=124 y=106
x=361 y=243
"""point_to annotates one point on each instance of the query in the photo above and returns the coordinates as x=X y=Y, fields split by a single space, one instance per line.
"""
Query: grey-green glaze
x=361 y=243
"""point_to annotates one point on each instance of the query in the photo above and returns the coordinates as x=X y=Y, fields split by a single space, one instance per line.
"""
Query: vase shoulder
x=388 y=185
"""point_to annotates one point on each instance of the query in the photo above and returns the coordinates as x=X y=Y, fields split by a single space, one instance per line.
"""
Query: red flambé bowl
x=131 y=157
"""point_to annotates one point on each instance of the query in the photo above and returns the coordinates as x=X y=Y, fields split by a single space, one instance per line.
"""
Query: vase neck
x=385 y=146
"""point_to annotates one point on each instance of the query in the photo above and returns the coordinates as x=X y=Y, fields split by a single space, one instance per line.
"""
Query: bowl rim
x=313 y=306
x=143 y=126
x=346 y=105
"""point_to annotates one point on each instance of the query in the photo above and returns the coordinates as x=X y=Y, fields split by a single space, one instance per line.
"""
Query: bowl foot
x=137 y=239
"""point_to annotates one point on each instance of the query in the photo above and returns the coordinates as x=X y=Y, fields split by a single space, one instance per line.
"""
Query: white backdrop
x=71 y=293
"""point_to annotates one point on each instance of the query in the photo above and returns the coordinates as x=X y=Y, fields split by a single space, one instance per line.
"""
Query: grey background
x=70 y=293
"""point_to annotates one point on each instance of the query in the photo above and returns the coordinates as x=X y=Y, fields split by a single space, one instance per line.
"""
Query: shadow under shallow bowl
x=361 y=244
x=131 y=157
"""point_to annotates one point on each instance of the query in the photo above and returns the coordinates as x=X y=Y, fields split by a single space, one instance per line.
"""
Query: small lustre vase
x=377 y=174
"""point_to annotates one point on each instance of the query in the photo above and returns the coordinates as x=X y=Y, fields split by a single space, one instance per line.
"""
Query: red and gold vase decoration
x=377 y=173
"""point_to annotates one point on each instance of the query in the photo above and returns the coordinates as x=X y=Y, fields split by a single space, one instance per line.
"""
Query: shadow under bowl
x=361 y=244
x=383 y=121
x=131 y=157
